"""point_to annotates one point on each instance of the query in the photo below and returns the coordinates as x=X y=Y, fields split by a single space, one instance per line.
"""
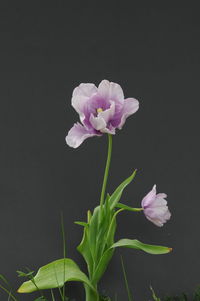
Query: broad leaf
x=115 y=197
x=55 y=274
x=136 y=244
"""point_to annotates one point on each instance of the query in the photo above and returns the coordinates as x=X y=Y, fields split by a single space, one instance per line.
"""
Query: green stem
x=106 y=169
x=90 y=294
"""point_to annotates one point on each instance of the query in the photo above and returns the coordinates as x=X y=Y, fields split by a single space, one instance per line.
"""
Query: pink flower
x=101 y=110
x=155 y=207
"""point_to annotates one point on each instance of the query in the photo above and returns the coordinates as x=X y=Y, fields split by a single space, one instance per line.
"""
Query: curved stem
x=106 y=169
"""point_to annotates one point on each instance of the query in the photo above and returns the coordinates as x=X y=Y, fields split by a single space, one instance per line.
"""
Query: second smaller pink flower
x=155 y=207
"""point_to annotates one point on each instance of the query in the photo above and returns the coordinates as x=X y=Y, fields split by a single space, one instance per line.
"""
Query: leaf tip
x=170 y=249
x=20 y=290
x=134 y=172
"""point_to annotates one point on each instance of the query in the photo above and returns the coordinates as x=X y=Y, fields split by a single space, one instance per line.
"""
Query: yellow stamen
x=99 y=110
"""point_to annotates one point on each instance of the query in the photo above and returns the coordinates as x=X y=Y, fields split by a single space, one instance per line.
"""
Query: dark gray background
x=153 y=52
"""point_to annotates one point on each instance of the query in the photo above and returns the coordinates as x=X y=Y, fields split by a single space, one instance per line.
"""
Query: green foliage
x=41 y=299
x=181 y=297
x=196 y=296
x=97 y=247
x=104 y=298
x=6 y=287
x=155 y=298
x=28 y=274
x=99 y=231
x=51 y=276
x=136 y=244
x=115 y=197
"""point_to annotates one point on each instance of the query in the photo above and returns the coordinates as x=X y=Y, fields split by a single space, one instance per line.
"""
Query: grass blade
x=155 y=298
x=9 y=293
x=64 y=252
x=52 y=296
x=130 y=297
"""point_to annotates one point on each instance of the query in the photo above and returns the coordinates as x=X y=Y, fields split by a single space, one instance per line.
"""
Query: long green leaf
x=115 y=197
x=93 y=231
x=102 y=265
x=84 y=248
x=127 y=243
x=51 y=276
x=136 y=244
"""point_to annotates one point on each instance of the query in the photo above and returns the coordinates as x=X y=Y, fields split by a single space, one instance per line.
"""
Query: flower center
x=99 y=110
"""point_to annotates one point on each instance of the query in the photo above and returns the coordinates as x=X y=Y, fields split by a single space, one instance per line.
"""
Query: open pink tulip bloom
x=101 y=110
x=155 y=207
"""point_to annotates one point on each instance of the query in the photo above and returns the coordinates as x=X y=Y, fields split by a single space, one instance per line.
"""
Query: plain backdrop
x=152 y=51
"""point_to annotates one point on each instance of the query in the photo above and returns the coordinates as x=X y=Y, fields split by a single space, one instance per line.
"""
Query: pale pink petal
x=110 y=130
x=131 y=105
x=98 y=122
x=156 y=222
x=149 y=197
x=156 y=212
x=160 y=217
x=81 y=95
x=85 y=89
x=109 y=113
x=161 y=195
x=167 y=215
x=110 y=91
x=158 y=202
x=78 y=134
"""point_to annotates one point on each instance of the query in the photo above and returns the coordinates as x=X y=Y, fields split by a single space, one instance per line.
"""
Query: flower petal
x=158 y=202
x=156 y=212
x=131 y=105
x=109 y=113
x=109 y=130
x=101 y=121
x=110 y=91
x=159 y=216
x=167 y=215
x=78 y=134
x=156 y=222
x=98 y=122
x=147 y=200
x=81 y=95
